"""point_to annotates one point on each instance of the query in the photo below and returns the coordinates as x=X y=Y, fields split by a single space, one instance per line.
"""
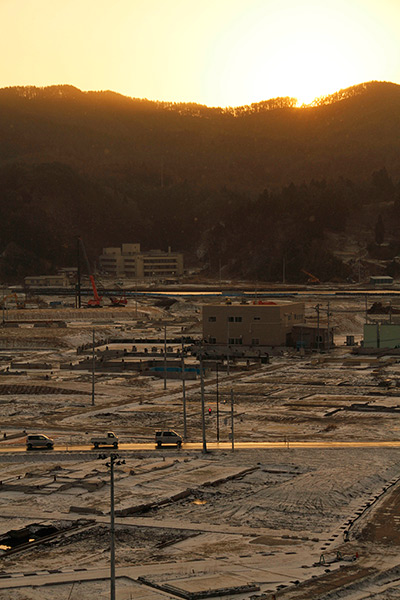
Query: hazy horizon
x=227 y=53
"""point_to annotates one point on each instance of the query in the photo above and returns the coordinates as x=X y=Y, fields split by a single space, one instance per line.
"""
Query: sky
x=213 y=52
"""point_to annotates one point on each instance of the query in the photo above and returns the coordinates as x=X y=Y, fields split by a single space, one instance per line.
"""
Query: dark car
x=168 y=437
x=39 y=440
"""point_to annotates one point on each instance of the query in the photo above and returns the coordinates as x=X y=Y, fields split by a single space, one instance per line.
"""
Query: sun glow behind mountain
x=217 y=52
x=303 y=50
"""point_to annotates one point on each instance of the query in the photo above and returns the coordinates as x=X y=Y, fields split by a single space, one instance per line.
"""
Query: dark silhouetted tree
x=379 y=231
x=383 y=184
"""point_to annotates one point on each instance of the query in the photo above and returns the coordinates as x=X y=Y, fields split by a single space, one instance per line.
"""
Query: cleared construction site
x=286 y=485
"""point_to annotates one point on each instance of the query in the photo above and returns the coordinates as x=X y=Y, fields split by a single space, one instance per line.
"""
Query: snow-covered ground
x=275 y=518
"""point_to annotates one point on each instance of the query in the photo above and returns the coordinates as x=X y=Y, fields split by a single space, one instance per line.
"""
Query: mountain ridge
x=198 y=143
x=69 y=91
x=266 y=180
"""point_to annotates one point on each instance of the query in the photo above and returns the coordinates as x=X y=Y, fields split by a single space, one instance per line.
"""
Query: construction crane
x=122 y=301
x=118 y=300
x=18 y=303
x=311 y=278
x=115 y=301
x=94 y=302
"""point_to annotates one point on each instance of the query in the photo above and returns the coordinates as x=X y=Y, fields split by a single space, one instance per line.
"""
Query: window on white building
x=235 y=341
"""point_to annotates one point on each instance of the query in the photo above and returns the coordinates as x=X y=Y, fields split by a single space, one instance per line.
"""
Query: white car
x=39 y=440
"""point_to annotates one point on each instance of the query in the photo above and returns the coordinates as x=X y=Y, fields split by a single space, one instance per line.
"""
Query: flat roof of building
x=249 y=303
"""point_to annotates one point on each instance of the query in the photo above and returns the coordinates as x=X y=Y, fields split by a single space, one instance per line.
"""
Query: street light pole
x=112 y=529
x=113 y=459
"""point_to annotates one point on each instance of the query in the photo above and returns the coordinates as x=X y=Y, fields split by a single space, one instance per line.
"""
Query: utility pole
x=78 y=284
x=93 y=368
x=165 y=357
x=216 y=364
x=4 y=305
x=232 y=429
x=183 y=390
x=329 y=331
x=136 y=296
x=203 y=422
x=227 y=347
x=317 y=309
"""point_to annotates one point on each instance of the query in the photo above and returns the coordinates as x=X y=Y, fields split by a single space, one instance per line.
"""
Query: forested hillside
x=245 y=187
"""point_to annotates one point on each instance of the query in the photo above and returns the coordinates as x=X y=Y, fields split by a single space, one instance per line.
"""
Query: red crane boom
x=94 y=302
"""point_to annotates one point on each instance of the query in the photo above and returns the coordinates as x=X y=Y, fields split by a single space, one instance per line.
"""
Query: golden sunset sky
x=214 y=52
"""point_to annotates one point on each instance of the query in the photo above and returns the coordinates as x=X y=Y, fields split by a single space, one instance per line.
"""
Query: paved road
x=196 y=446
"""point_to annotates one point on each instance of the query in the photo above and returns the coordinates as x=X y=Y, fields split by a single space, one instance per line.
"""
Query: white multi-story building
x=131 y=262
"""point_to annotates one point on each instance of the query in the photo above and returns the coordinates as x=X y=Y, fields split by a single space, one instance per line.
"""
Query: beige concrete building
x=111 y=261
x=57 y=281
x=255 y=324
x=131 y=262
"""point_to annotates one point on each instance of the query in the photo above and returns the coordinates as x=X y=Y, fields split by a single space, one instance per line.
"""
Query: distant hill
x=245 y=187
x=248 y=148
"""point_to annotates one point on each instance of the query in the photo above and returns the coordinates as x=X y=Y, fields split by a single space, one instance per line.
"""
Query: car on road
x=168 y=437
x=106 y=439
x=39 y=440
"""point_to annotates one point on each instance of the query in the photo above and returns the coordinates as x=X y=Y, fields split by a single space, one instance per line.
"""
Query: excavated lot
x=296 y=522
